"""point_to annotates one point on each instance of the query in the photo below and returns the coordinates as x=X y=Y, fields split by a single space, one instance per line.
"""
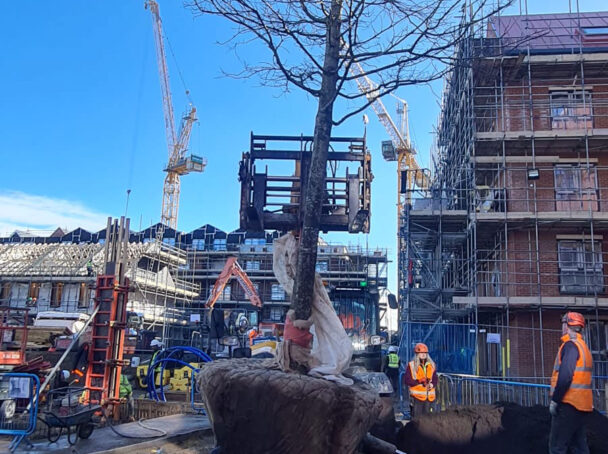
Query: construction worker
x=421 y=378
x=156 y=346
x=571 y=394
x=125 y=392
x=391 y=365
x=89 y=267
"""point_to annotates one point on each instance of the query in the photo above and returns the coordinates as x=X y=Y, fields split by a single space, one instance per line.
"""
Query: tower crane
x=179 y=164
x=399 y=148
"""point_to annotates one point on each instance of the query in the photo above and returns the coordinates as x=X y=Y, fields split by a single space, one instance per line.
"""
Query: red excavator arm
x=233 y=269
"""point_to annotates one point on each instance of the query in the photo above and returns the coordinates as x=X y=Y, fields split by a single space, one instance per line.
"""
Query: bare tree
x=314 y=45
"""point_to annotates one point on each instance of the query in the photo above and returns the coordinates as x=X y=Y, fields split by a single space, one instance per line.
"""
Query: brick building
x=515 y=231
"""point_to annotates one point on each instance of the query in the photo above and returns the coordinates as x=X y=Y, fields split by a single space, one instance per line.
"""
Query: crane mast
x=401 y=150
x=178 y=163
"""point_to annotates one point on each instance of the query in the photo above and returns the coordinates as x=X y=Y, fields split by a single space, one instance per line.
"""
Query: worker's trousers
x=419 y=407
x=393 y=375
x=568 y=431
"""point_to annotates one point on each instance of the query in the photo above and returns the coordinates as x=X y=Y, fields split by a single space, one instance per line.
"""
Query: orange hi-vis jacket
x=579 y=395
x=419 y=391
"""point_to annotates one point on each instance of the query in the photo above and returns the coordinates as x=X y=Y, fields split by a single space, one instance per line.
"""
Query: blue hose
x=163 y=361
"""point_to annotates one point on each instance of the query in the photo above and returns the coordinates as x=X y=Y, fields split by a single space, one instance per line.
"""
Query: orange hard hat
x=421 y=348
x=574 y=319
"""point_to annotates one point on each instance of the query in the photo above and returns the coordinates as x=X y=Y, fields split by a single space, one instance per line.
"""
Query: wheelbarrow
x=66 y=413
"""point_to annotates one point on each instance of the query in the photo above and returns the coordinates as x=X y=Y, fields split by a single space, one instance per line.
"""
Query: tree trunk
x=315 y=186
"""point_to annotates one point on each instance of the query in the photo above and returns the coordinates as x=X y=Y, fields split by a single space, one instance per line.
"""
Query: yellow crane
x=399 y=148
x=179 y=164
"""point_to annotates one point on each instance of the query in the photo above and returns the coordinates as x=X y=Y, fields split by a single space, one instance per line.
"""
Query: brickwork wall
x=527 y=357
x=516 y=104
x=521 y=276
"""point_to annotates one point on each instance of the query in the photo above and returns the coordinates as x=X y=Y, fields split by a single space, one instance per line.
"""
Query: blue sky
x=82 y=119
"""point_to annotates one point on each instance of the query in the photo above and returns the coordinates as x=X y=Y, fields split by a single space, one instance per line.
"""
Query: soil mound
x=254 y=409
x=497 y=429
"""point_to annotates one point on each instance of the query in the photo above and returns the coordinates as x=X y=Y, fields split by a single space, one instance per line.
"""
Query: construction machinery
x=233 y=269
x=399 y=148
x=179 y=164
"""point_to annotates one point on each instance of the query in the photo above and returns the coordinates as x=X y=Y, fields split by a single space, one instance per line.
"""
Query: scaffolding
x=171 y=274
x=61 y=276
x=515 y=229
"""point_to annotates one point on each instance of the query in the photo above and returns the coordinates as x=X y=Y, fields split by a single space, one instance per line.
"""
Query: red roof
x=551 y=31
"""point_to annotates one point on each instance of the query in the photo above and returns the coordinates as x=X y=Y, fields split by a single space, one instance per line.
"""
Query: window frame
x=219 y=244
x=570 y=112
x=252 y=265
x=579 y=265
x=84 y=298
x=277 y=292
x=56 y=294
x=5 y=291
x=581 y=197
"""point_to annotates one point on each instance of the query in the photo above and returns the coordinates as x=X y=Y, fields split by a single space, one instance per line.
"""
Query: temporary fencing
x=451 y=345
x=18 y=406
x=455 y=389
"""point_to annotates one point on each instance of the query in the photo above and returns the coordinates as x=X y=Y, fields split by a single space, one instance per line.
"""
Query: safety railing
x=455 y=389
x=471 y=390
x=18 y=406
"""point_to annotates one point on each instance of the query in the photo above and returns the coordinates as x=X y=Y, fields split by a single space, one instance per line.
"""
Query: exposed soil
x=502 y=428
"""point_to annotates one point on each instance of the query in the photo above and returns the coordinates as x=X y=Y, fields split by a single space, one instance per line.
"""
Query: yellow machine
x=142 y=374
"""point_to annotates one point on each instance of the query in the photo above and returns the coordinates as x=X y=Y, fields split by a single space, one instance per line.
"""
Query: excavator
x=233 y=269
x=239 y=326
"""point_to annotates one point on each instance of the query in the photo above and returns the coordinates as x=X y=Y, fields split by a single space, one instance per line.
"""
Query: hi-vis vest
x=393 y=360
x=419 y=391
x=579 y=395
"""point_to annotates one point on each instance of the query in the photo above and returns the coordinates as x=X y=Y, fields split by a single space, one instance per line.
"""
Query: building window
x=169 y=241
x=595 y=31
x=571 y=109
x=580 y=267
x=277 y=314
x=84 y=296
x=5 y=293
x=219 y=244
x=255 y=241
x=575 y=188
x=226 y=292
x=322 y=266
x=277 y=293
x=598 y=337
x=56 y=291
x=34 y=290
x=198 y=244
x=252 y=265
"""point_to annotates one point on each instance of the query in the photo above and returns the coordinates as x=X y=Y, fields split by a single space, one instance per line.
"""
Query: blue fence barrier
x=18 y=406
x=455 y=389
x=451 y=345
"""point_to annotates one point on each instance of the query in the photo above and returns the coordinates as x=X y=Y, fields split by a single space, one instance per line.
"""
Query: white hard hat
x=65 y=374
x=156 y=343
x=393 y=349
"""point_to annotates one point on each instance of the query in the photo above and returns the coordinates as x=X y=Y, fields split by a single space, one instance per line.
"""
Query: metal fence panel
x=454 y=389
x=451 y=345
x=18 y=405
